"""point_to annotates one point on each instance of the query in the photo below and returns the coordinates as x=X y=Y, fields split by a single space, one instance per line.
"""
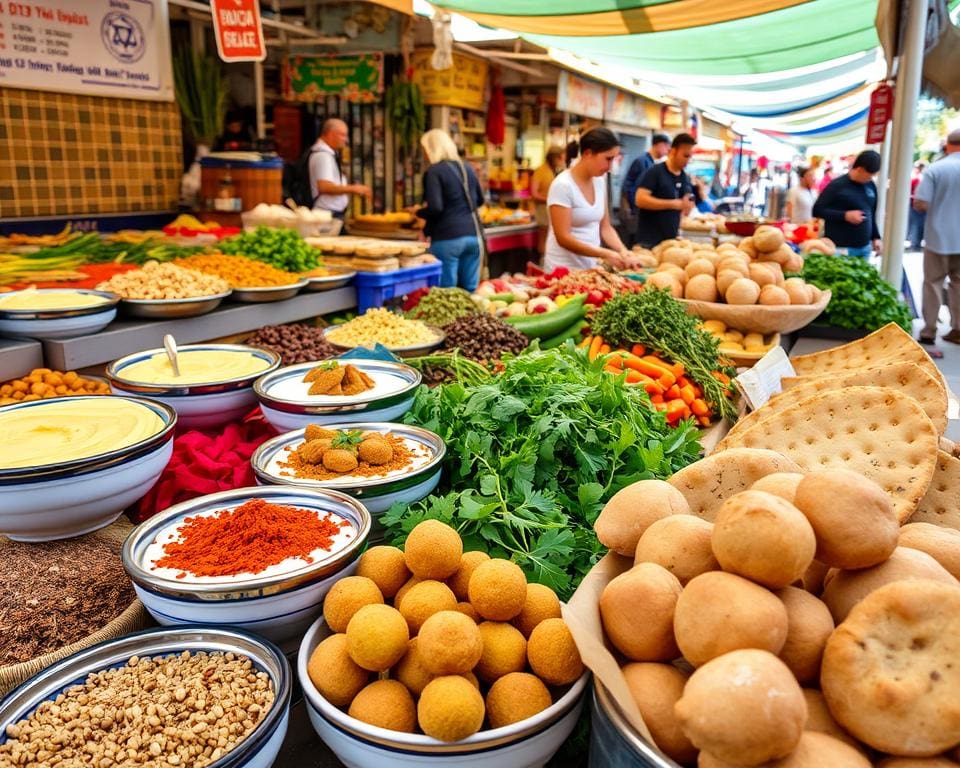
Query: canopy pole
x=883 y=178
x=909 y=70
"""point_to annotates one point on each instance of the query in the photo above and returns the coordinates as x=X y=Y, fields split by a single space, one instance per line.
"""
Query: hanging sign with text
x=881 y=112
x=97 y=47
x=237 y=27
x=355 y=78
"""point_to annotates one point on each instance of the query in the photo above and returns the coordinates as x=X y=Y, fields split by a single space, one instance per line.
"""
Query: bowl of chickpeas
x=46 y=384
x=167 y=291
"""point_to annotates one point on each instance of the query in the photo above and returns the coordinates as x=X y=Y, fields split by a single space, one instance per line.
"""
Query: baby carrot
x=639 y=350
x=700 y=407
x=687 y=394
x=595 y=345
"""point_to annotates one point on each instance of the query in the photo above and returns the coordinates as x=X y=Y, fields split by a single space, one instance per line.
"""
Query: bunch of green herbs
x=658 y=321
x=281 y=248
x=534 y=454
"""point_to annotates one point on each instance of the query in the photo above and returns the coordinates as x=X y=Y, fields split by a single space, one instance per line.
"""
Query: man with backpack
x=328 y=184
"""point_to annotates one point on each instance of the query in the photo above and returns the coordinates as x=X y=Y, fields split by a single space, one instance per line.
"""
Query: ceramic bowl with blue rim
x=359 y=745
x=286 y=403
x=58 y=499
x=258 y=750
x=204 y=395
x=278 y=603
x=93 y=311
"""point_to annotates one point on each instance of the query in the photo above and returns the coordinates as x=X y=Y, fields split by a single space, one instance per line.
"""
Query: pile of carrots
x=669 y=388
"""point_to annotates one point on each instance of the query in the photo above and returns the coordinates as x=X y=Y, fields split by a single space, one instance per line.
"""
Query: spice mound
x=326 y=454
x=295 y=343
x=483 y=338
x=189 y=710
x=46 y=384
x=336 y=379
x=250 y=539
x=239 y=271
x=384 y=327
x=56 y=593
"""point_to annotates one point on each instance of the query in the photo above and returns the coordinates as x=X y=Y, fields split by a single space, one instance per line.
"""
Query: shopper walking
x=800 y=199
x=848 y=205
x=327 y=180
x=917 y=217
x=539 y=187
x=664 y=194
x=451 y=194
x=938 y=195
x=579 y=215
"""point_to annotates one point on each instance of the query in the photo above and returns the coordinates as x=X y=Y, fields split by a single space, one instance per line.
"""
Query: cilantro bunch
x=534 y=454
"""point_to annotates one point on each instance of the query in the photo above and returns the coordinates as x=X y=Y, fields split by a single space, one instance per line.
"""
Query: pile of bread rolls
x=794 y=625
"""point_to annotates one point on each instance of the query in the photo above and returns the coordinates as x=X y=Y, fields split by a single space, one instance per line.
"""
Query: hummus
x=71 y=429
x=200 y=366
x=53 y=300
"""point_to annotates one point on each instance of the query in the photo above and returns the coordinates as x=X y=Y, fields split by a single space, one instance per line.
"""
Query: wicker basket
x=757 y=317
x=134 y=617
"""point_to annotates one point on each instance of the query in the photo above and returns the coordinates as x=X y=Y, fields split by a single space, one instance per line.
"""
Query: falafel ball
x=553 y=654
x=312 y=451
x=450 y=643
x=377 y=637
x=504 y=651
x=336 y=676
x=425 y=599
x=346 y=597
x=317 y=432
x=411 y=671
x=402 y=592
x=460 y=581
x=339 y=460
x=433 y=550
x=386 y=704
x=385 y=567
x=468 y=610
x=498 y=589
x=375 y=451
x=450 y=709
x=516 y=697
x=541 y=603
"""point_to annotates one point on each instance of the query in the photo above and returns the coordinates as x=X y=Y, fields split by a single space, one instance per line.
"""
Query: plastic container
x=375 y=288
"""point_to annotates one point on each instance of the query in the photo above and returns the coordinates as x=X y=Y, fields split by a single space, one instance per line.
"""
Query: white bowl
x=279 y=604
x=58 y=501
x=287 y=406
x=205 y=405
x=531 y=742
x=258 y=750
x=62 y=323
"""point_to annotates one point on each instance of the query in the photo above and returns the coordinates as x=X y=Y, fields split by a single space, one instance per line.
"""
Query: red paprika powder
x=248 y=539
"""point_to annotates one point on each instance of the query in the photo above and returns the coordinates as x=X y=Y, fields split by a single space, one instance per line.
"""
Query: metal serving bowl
x=287 y=406
x=258 y=750
x=70 y=498
x=340 y=277
x=170 y=308
x=377 y=493
x=269 y=293
x=197 y=405
x=414 y=350
x=278 y=606
x=59 y=323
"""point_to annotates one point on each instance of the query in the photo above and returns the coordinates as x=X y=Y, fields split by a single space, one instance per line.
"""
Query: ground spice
x=248 y=539
x=55 y=593
x=402 y=456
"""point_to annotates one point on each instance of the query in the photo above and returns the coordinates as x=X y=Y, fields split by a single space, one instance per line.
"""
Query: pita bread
x=941 y=504
x=876 y=431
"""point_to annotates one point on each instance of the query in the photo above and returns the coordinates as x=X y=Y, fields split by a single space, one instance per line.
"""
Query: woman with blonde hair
x=451 y=195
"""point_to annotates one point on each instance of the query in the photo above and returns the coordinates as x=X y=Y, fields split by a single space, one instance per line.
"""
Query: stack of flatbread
x=877 y=406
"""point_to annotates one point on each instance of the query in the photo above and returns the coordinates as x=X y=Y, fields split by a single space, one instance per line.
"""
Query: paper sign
x=237 y=27
x=881 y=112
x=762 y=382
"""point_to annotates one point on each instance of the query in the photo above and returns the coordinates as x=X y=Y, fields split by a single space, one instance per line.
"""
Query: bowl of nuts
x=167 y=291
x=202 y=697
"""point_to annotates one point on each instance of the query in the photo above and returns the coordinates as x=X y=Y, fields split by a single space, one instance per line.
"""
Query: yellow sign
x=463 y=85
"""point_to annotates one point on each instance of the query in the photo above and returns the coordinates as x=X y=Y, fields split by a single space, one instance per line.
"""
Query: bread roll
x=820 y=720
x=815 y=750
x=656 y=688
x=637 y=609
x=782 y=484
x=681 y=544
x=633 y=509
x=809 y=626
x=942 y=544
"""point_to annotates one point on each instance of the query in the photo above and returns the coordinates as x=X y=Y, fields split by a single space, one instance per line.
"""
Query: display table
x=18 y=357
x=511 y=237
x=127 y=336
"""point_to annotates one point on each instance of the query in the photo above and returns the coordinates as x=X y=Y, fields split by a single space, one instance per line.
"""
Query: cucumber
x=547 y=324
x=507 y=297
x=571 y=332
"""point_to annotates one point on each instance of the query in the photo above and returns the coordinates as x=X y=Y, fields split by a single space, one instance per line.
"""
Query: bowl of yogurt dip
x=56 y=313
x=258 y=558
x=69 y=466
x=215 y=385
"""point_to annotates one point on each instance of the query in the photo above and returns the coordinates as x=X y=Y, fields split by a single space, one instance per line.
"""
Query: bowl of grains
x=297 y=395
x=259 y=558
x=203 y=697
x=406 y=471
x=405 y=337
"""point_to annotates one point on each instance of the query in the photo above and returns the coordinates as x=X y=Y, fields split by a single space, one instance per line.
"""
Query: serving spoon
x=170 y=345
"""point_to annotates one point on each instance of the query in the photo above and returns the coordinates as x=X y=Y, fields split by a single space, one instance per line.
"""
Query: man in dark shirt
x=659 y=148
x=848 y=204
x=664 y=194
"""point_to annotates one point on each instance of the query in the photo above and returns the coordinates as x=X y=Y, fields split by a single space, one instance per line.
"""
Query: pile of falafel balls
x=436 y=640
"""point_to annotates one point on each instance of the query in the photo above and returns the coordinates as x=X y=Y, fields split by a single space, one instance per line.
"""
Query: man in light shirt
x=327 y=180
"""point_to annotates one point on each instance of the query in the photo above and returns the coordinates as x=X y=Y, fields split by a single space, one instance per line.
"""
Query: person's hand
x=878 y=245
x=614 y=258
x=679 y=204
x=687 y=205
x=362 y=189
x=853 y=217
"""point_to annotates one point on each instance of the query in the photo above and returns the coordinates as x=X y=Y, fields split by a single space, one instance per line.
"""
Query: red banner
x=237 y=27
x=881 y=112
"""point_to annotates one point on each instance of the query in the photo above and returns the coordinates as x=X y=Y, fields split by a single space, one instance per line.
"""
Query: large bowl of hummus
x=69 y=466
x=55 y=313
x=214 y=385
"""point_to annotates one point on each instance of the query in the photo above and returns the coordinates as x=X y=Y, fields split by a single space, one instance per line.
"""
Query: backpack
x=296 y=180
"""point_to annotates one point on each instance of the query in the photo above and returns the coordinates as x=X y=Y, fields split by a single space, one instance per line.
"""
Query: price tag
x=762 y=382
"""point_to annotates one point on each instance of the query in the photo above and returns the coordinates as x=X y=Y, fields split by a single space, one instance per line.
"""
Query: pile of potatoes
x=751 y=272
x=734 y=342
x=795 y=624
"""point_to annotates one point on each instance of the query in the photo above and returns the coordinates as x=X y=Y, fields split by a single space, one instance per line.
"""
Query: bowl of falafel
x=431 y=656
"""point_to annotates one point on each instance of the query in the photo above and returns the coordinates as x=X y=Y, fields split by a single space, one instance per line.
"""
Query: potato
x=761 y=275
x=774 y=295
x=676 y=255
x=797 y=290
x=700 y=267
x=767 y=239
x=701 y=288
x=665 y=281
x=726 y=278
x=748 y=247
x=633 y=509
x=672 y=269
x=742 y=291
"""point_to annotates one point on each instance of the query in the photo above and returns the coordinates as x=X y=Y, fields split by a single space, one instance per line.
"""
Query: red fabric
x=206 y=462
x=496 y=114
